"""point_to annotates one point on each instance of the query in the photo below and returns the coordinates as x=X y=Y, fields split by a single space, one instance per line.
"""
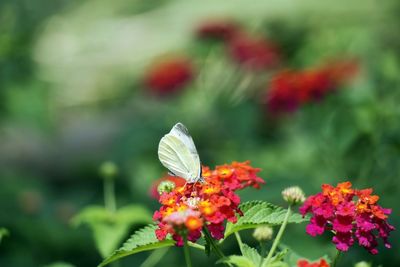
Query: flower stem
x=215 y=247
x=262 y=249
x=187 y=253
x=279 y=235
x=336 y=258
x=239 y=240
x=109 y=195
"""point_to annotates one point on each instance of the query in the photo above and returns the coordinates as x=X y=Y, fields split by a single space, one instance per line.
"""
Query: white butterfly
x=178 y=154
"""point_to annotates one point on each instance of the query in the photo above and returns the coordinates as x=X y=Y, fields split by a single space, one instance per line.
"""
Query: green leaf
x=277 y=264
x=280 y=255
x=142 y=240
x=110 y=228
x=257 y=213
x=239 y=261
x=276 y=261
x=252 y=254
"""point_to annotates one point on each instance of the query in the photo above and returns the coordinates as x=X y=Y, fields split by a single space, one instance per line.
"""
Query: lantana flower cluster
x=290 y=89
x=187 y=209
x=351 y=214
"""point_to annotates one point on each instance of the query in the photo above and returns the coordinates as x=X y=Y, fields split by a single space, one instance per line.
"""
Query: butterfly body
x=178 y=154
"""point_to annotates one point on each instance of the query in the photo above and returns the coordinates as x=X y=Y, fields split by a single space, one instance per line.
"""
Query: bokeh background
x=83 y=82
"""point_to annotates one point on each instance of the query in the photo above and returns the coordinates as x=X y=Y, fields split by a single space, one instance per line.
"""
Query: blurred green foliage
x=110 y=228
x=71 y=97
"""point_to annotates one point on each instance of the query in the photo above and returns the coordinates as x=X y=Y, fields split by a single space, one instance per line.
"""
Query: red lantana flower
x=352 y=215
x=289 y=89
x=187 y=209
x=169 y=75
x=306 y=263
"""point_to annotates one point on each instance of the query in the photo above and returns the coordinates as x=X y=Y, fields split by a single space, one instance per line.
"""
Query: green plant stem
x=239 y=240
x=154 y=257
x=262 y=248
x=215 y=247
x=109 y=195
x=336 y=258
x=279 y=235
x=187 y=253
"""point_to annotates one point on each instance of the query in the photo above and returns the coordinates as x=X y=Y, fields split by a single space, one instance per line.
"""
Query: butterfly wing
x=178 y=153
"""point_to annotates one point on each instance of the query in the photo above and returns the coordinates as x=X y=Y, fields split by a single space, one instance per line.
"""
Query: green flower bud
x=263 y=233
x=293 y=195
x=165 y=187
x=108 y=170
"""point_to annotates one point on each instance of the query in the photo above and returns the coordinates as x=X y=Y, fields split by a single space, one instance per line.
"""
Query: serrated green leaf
x=142 y=240
x=239 y=261
x=257 y=213
x=110 y=228
x=252 y=254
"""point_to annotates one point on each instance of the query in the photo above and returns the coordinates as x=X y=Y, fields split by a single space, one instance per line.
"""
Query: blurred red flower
x=220 y=29
x=253 y=53
x=169 y=75
x=289 y=89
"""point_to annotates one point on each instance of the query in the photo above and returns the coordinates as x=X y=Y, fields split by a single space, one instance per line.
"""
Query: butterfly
x=178 y=154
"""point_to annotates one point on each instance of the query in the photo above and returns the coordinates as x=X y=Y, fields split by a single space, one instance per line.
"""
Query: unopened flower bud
x=165 y=187
x=263 y=233
x=108 y=170
x=293 y=195
x=362 y=264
